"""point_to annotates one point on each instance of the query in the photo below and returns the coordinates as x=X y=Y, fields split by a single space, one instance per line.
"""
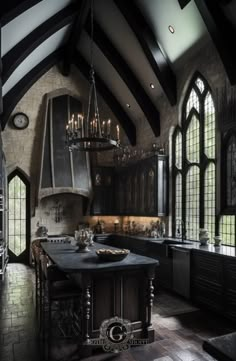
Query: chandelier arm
x=97 y=110
x=89 y=109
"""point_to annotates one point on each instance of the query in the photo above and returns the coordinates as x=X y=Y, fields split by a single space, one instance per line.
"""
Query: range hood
x=62 y=171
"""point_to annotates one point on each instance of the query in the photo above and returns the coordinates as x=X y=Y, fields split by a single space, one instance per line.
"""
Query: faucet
x=182 y=233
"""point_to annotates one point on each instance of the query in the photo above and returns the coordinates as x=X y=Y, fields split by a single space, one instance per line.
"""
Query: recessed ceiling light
x=152 y=85
x=128 y=105
x=171 y=29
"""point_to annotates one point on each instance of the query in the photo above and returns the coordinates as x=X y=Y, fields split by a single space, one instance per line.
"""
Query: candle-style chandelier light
x=89 y=133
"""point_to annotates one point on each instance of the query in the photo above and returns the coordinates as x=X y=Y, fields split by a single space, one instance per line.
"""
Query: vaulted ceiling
x=139 y=46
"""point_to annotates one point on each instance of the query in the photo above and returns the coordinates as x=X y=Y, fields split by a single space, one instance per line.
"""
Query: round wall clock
x=20 y=120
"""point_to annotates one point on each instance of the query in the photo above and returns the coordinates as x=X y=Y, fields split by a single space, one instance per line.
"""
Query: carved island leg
x=150 y=302
x=87 y=308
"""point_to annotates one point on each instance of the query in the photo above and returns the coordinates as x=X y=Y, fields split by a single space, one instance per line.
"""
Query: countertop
x=191 y=245
x=64 y=255
x=223 y=348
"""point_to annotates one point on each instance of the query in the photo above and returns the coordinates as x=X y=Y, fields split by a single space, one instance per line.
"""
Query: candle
x=72 y=123
x=91 y=128
x=108 y=127
x=79 y=121
x=118 y=132
x=82 y=125
x=103 y=127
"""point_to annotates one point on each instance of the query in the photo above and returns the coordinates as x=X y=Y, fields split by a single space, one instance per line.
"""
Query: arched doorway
x=18 y=217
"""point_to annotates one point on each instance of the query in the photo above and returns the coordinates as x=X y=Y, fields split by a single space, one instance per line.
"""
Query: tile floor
x=180 y=328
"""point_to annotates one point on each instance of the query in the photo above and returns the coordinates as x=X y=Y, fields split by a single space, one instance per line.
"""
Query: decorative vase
x=203 y=236
x=82 y=241
x=217 y=241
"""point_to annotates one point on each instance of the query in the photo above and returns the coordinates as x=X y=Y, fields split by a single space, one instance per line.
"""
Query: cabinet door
x=120 y=193
x=229 y=308
x=207 y=280
x=103 y=201
x=150 y=199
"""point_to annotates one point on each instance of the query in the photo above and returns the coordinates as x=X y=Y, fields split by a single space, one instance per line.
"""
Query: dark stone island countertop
x=67 y=259
x=223 y=348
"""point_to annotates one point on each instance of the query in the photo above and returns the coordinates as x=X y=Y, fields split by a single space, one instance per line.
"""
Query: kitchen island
x=122 y=288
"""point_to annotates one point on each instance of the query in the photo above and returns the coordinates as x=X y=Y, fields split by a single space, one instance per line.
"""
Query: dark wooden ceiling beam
x=123 y=118
x=12 y=9
x=120 y=65
x=183 y=3
x=145 y=36
x=1 y=105
x=11 y=99
x=82 y=14
x=223 y=34
x=21 y=50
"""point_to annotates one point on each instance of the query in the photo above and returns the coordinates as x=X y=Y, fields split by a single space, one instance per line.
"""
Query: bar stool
x=36 y=252
x=61 y=302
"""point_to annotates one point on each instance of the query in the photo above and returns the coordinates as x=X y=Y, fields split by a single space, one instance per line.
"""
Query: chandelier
x=89 y=133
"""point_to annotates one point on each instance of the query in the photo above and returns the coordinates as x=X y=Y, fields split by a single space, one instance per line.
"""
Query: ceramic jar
x=203 y=236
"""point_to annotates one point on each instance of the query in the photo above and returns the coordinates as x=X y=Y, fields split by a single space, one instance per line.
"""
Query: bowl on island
x=106 y=254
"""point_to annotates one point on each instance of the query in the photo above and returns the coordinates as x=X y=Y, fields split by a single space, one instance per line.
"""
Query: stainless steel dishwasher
x=181 y=271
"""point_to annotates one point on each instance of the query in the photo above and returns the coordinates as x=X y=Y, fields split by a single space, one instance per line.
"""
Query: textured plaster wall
x=23 y=148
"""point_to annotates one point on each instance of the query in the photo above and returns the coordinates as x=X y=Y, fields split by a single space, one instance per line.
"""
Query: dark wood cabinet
x=139 y=189
x=142 y=188
x=207 y=280
x=214 y=283
x=103 y=191
x=229 y=282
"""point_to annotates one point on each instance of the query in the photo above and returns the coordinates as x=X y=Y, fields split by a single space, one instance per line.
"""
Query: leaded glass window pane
x=193 y=141
x=17 y=216
x=178 y=202
x=199 y=83
x=193 y=102
x=209 y=200
x=178 y=150
x=209 y=127
x=231 y=172
x=192 y=202
x=227 y=230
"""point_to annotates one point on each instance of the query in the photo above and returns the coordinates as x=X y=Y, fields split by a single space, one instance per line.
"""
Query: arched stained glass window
x=192 y=205
x=193 y=102
x=209 y=127
x=178 y=202
x=227 y=230
x=178 y=150
x=209 y=200
x=194 y=185
x=195 y=197
x=17 y=215
x=193 y=141
x=200 y=85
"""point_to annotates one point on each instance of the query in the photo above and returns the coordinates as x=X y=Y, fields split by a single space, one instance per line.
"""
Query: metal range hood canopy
x=62 y=171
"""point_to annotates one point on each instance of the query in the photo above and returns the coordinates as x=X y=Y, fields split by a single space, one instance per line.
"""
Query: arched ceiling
x=133 y=48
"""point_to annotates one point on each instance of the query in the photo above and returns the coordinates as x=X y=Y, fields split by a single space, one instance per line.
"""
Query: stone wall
x=22 y=148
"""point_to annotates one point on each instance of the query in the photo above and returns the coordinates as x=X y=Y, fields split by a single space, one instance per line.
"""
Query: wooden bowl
x=112 y=255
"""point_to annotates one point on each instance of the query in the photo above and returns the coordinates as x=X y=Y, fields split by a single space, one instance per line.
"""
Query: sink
x=172 y=241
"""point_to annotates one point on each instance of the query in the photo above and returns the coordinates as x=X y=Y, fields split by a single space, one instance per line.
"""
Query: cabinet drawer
x=208 y=294
x=207 y=267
